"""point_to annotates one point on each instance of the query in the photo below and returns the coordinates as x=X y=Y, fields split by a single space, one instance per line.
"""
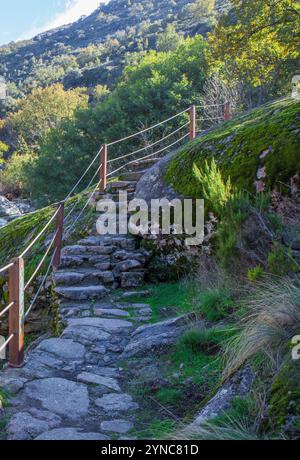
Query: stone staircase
x=72 y=387
x=98 y=264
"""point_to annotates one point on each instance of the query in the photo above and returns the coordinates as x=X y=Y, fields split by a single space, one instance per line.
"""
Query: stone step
x=128 y=265
x=132 y=279
x=88 y=250
x=124 y=255
x=115 y=241
x=122 y=185
x=89 y=275
x=132 y=175
x=82 y=292
x=147 y=163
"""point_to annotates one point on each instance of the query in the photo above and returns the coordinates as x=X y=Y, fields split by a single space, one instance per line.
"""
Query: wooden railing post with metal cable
x=193 y=117
x=59 y=235
x=227 y=111
x=103 y=168
x=16 y=313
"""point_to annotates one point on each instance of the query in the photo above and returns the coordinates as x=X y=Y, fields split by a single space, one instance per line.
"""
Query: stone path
x=71 y=387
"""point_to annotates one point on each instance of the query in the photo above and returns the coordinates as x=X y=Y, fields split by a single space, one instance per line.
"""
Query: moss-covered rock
x=284 y=404
x=257 y=150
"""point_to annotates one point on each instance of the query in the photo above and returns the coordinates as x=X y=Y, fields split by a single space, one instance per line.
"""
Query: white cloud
x=74 y=9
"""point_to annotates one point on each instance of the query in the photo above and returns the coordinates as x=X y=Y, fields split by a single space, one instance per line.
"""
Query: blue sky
x=20 y=19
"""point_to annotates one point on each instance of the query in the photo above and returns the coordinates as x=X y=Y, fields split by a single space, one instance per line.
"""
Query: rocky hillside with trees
x=94 y=49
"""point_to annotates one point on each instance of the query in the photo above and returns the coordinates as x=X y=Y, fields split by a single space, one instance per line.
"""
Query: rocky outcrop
x=10 y=210
x=239 y=385
x=156 y=337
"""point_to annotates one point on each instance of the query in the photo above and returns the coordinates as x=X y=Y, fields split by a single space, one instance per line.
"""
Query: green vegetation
x=212 y=187
x=281 y=262
x=169 y=299
x=265 y=139
x=255 y=44
x=255 y=274
x=214 y=304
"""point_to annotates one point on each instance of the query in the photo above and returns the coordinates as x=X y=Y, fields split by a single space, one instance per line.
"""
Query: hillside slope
x=257 y=151
x=64 y=54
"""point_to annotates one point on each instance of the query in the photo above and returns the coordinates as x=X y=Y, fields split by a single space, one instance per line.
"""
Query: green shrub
x=215 y=304
x=212 y=187
x=255 y=274
x=234 y=214
x=13 y=177
x=281 y=262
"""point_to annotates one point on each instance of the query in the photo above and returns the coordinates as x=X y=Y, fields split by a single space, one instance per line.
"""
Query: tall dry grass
x=270 y=321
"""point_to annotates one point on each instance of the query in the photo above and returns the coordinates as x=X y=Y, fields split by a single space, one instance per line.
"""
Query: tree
x=202 y=11
x=168 y=40
x=259 y=42
x=160 y=85
x=42 y=111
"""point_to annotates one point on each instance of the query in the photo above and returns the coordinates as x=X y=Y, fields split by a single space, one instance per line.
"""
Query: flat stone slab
x=63 y=348
x=67 y=277
x=106 y=324
x=27 y=425
x=116 y=403
x=128 y=265
x=70 y=434
x=155 y=337
x=104 y=371
x=82 y=292
x=111 y=312
x=61 y=396
x=117 y=426
x=108 y=382
x=133 y=294
x=88 y=333
x=74 y=250
x=12 y=384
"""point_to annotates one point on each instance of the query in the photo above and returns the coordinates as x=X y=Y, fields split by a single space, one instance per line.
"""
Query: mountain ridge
x=115 y=28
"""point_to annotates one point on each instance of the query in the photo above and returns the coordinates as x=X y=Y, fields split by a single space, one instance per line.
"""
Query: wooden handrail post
x=103 y=168
x=59 y=235
x=227 y=111
x=193 y=122
x=16 y=313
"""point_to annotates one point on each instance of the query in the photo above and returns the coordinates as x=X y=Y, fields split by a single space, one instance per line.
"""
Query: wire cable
x=149 y=146
x=4 y=345
x=79 y=197
x=41 y=286
x=2 y=313
x=41 y=263
x=148 y=129
x=83 y=175
x=39 y=235
x=71 y=228
x=149 y=156
x=4 y=269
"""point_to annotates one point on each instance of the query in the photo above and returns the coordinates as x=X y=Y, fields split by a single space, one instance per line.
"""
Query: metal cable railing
x=15 y=269
x=131 y=136
x=149 y=156
x=149 y=146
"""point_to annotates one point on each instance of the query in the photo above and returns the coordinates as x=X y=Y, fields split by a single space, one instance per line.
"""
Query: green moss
x=285 y=394
x=238 y=145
